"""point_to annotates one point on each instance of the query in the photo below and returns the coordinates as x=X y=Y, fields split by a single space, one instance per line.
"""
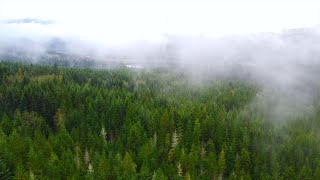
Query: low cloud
x=286 y=65
x=29 y=20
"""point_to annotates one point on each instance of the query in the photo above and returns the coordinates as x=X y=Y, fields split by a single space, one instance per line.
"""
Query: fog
x=230 y=41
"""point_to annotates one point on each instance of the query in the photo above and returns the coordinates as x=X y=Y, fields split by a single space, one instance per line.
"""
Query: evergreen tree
x=81 y=123
x=222 y=162
x=5 y=172
x=128 y=166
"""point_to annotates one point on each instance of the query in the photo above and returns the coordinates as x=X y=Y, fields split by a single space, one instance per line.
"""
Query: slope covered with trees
x=68 y=123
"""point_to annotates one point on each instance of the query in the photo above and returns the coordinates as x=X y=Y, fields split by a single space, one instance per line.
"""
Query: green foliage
x=77 y=123
x=128 y=167
x=5 y=172
x=222 y=162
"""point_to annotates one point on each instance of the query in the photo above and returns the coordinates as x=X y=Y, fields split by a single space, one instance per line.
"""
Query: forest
x=84 y=123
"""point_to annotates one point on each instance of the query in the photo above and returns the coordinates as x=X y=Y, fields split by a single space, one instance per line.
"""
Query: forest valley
x=121 y=123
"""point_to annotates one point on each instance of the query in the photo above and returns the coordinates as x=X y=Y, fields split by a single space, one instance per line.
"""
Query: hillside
x=69 y=123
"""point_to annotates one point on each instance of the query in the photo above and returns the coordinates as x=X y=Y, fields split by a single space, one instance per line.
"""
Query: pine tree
x=86 y=157
x=35 y=164
x=179 y=168
x=222 y=162
x=305 y=173
x=275 y=166
x=53 y=166
x=155 y=138
x=174 y=143
x=59 y=118
x=197 y=132
x=316 y=174
x=144 y=172
x=6 y=125
x=20 y=172
x=158 y=175
x=187 y=176
x=90 y=169
x=289 y=173
x=128 y=166
x=245 y=160
x=175 y=140
x=5 y=172
x=103 y=137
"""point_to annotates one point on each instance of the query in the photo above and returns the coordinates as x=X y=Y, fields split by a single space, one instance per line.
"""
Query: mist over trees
x=80 y=123
x=285 y=64
x=184 y=107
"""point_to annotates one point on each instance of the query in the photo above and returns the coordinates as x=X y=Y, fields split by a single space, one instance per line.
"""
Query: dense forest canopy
x=80 y=123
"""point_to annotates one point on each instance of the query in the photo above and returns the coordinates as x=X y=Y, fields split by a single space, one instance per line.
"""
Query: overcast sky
x=125 y=21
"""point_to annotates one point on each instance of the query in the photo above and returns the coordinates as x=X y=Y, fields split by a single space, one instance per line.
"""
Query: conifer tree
x=222 y=162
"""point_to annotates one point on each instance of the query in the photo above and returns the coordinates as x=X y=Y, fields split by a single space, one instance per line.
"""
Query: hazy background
x=273 y=43
x=118 y=22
